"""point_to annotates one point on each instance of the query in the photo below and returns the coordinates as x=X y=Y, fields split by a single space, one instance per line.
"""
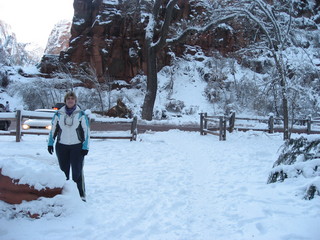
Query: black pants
x=70 y=155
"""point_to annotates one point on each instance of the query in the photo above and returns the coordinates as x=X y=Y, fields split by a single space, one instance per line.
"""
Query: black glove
x=84 y=152
x=50 y=149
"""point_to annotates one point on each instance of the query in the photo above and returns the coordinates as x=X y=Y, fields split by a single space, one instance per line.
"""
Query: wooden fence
x=19 y=115
x=219 y=121
x=118 y=124
x=217 y=125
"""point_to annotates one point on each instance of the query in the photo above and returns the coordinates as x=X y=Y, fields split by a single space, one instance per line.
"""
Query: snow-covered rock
x=13 y=52
x=59 y=38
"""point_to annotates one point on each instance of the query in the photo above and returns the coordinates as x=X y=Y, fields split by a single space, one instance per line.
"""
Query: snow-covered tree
x=273 y=24
x=160 y=32
x=64 y=73
x=274 y=27
x=153 y=46
x=89 y=74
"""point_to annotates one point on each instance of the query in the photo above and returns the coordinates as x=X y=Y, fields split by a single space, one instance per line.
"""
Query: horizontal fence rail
x=19 y=115
x=217 y=125
x=133 y=129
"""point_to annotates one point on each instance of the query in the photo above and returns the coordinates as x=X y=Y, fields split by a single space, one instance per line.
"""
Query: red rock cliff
x=110 y=37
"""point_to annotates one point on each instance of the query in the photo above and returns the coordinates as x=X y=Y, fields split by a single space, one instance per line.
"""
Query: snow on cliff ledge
x=33 y=171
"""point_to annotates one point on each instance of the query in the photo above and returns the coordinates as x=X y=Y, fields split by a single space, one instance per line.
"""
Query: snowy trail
x=220 y=178
x=177 y=186
x=196 y=191
x=151 y=188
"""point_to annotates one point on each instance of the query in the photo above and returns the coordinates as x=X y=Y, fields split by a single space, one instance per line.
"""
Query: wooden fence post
x=309 y=125
x=271 y=124
x=201 y=123
x=205 y=125
x=222 y=128
x=18 y=125
x=232 y=120
x=224 y=136
x=134 y=130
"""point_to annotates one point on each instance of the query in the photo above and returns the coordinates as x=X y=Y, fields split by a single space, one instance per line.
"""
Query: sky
x=33 y=20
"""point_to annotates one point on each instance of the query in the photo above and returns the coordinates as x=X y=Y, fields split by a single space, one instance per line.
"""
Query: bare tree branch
x=166 y=24
x=156 y=8
x=268 y=12
x=192 y=30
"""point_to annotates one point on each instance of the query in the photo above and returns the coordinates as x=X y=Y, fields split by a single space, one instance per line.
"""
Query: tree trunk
x=280 y=67
x=100 y=98
x=285 y=111
x=152 y=84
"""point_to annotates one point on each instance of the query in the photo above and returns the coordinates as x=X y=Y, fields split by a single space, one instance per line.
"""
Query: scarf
x=69 y=111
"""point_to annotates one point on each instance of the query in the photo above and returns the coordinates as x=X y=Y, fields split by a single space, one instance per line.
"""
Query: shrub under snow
x=299 y=158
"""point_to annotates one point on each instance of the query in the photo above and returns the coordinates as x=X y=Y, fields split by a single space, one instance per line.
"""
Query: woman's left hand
x=84 y=152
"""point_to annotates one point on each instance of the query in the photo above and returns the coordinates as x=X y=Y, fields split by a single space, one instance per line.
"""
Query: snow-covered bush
x=175 y=106
x=219 y=89
x=4 y=80
x=299 y=158
x=191 y=110
x=159 y=113
x=139 y=82
x=38 y=93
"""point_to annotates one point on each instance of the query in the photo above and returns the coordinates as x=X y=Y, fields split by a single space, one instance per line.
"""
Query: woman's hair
x=70 y=94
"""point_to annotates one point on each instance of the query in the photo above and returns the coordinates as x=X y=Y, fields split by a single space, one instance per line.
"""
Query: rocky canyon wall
x=110 y=37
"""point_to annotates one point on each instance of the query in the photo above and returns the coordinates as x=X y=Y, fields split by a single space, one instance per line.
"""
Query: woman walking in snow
x=71 y=130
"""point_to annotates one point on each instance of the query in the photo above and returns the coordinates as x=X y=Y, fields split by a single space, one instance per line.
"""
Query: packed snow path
x=172 y=186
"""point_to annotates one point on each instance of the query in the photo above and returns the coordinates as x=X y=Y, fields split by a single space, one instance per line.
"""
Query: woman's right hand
x=50 y=149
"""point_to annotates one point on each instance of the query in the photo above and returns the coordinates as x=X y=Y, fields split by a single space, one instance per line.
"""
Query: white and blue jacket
x=69 y=130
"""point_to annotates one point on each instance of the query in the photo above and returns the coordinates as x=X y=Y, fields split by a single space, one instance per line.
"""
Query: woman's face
x=70 y=102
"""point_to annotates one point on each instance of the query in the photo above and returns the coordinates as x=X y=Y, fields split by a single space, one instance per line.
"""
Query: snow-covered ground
x=167 y=185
